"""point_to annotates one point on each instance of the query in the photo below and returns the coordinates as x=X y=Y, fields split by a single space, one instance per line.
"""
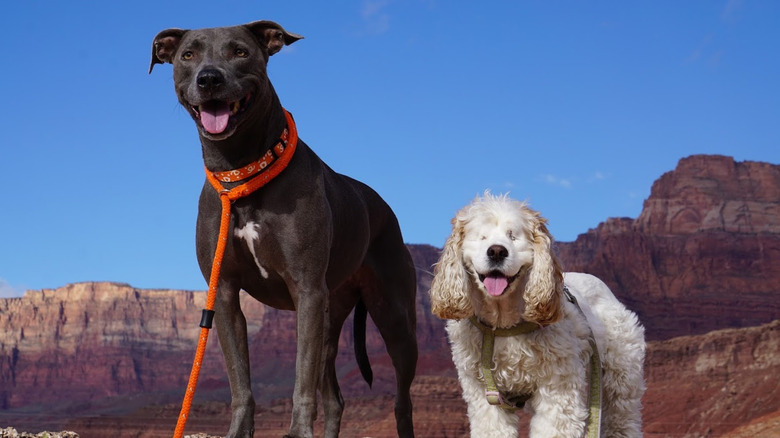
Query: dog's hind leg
x=403 y=353
x=624 y=386
x=391 y=303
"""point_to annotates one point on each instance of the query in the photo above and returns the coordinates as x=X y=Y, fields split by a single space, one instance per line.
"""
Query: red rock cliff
x=88 y=341
x=704 y=253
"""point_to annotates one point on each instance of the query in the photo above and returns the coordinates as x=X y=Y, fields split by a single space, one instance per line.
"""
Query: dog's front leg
x=559 y=409
x=485 y=420
x=312 y=309
x=231 y=330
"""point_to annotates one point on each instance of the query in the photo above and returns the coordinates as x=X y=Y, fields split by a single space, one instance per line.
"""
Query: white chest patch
x=250 y=234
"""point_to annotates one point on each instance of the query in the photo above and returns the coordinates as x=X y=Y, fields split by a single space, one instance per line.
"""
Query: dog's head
x=498 y=259
x=220 y=73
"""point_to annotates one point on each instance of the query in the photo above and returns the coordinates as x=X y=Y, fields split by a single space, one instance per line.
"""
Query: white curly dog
x=498 y=281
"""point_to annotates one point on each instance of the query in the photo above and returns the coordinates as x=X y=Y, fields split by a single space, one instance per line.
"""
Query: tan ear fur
x=449 y=297
x=544 y=289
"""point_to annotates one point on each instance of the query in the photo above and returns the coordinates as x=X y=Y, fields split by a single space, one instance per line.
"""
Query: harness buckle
x=494 y=398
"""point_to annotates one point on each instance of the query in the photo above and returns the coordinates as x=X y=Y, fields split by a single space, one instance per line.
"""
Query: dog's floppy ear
x=272 y=35
x=164 y=46
x=449 y=297
x=544 y=289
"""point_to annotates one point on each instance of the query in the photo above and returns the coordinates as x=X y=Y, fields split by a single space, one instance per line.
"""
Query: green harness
x=515 y=402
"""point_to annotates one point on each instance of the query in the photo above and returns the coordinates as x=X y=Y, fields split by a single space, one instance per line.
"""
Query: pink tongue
x=214 y=116
x=495 y=285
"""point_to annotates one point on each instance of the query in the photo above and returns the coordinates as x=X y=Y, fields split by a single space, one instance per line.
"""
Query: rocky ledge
x=10 y=432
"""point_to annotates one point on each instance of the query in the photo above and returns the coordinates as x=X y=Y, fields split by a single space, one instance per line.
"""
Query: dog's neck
x=502 y=312
x=251 y=140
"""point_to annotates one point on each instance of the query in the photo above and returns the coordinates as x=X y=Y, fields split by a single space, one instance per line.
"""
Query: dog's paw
x=248 y=434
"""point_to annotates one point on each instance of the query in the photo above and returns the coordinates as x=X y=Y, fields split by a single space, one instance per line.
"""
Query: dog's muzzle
x=214 y=115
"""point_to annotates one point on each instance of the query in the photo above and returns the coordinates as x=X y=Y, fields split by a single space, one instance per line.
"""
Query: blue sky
x=575 y=106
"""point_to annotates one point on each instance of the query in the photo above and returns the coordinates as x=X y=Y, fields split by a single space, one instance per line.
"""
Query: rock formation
x=88 y=342
x=704 y=254
x=107 y=359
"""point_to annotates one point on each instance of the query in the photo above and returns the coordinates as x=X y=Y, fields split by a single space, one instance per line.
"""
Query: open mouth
x=496 y=283
x=215 y=115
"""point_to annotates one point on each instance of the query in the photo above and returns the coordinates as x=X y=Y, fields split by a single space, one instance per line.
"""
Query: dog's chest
x=511 y=362
x=249 y=235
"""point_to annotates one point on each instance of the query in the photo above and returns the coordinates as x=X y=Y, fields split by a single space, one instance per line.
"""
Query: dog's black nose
x=497 y=253
x=209 y=79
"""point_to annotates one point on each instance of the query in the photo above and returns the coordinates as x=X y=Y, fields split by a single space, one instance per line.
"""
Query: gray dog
x=311 y=240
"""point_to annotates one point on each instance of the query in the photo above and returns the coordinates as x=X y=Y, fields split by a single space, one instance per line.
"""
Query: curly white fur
x=499 y=242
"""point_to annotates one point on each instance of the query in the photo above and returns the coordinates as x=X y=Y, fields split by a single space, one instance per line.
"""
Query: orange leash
x=271 y=167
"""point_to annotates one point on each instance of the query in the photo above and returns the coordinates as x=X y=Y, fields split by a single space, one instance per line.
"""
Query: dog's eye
x=186 y=55
x=241 y=53
x=511 y=235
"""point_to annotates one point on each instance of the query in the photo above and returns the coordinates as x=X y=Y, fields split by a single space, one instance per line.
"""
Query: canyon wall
x=703 y=256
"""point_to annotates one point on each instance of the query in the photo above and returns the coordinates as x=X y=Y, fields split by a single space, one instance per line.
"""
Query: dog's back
x=621 y=343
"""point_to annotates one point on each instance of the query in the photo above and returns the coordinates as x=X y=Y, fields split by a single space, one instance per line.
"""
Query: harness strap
x=516 y=402
x=596 y=382
x=226 y=197
x=595 y=393
x=492 y=394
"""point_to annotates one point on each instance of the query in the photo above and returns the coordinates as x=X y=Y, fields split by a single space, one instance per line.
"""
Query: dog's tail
x=359 y=334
